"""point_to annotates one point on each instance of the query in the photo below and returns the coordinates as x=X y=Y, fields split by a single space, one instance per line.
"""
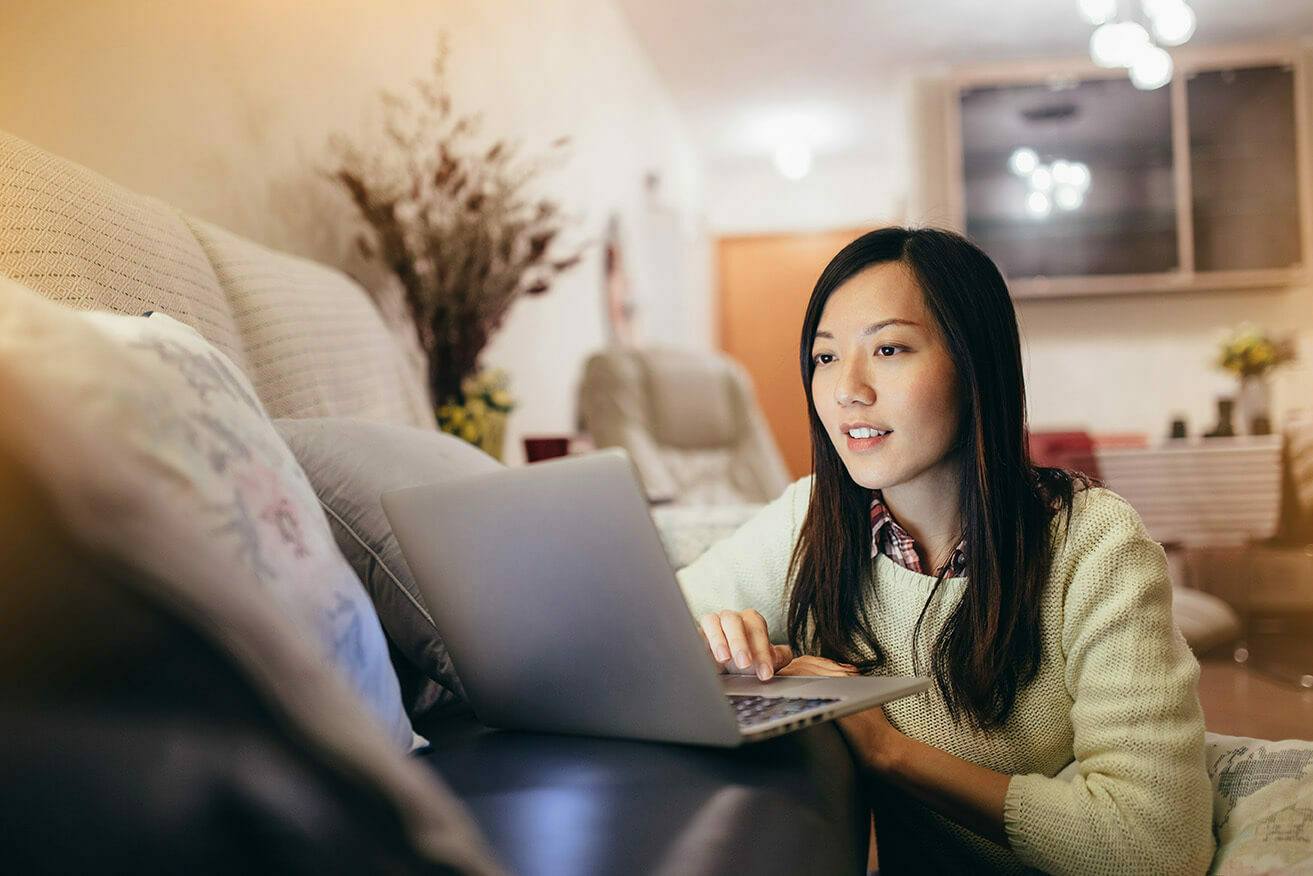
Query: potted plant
x=454 y=220
x=1248 y=352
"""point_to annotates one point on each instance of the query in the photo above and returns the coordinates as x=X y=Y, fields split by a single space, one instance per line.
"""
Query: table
x=576 y=805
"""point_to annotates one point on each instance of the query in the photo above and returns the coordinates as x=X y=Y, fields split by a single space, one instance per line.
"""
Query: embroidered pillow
x=159 y=454
x=1262 y=804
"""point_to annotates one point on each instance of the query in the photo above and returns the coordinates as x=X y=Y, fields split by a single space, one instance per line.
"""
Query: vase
x=1254 y=405
x=494 y=434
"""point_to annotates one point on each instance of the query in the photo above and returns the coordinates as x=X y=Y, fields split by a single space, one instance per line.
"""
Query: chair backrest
x=689 y=419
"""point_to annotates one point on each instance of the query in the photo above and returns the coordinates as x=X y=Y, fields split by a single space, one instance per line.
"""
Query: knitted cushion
x=315 y=343
x=76 y=237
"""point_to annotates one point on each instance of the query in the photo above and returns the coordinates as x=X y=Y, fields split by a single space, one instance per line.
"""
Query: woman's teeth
x=866 y=433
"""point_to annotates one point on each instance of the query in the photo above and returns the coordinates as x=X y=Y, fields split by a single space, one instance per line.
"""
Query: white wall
x=226 y=111
x=850 y=191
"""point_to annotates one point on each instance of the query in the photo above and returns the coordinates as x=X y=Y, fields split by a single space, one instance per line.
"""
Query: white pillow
x=1262 y=804
x=185 y=475
x=156 y=455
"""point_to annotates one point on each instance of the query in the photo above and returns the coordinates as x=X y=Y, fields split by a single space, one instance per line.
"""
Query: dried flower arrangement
x=1248 y=351
x=456 y=223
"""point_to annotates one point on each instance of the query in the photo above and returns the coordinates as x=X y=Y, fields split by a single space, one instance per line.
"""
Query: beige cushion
x=314 y=342
x=690 y=421
x=74 y=236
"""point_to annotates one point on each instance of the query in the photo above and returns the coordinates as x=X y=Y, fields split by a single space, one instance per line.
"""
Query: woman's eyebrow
x=874 y=327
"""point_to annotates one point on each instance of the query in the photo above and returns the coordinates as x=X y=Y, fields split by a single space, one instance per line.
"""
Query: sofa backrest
x=310 y=338
x=74 y=236
x=314 y=342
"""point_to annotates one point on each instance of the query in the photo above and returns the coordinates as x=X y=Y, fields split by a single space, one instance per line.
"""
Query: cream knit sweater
x=1115 y=692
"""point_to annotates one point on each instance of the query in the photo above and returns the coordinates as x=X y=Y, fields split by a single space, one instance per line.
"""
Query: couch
x=135 y=727
x=143 y=733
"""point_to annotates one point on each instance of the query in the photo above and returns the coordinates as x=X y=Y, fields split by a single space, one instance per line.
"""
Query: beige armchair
x=690 y=421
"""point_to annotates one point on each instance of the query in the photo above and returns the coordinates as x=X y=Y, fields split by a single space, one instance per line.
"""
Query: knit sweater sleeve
x=1141 y=802
x=750 y=568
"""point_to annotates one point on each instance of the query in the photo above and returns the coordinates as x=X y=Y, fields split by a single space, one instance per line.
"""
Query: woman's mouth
x=860 y=439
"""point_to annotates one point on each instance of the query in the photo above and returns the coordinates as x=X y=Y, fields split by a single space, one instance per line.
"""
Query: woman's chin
x=865 y=478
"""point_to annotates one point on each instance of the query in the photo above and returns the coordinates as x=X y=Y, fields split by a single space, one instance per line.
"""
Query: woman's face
x=885 y=387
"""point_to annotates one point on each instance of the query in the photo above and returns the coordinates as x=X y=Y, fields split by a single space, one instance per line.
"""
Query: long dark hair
x=990 y=645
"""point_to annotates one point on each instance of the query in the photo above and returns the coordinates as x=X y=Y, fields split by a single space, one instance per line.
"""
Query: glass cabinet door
x=1071 y=180
x=1243 y=174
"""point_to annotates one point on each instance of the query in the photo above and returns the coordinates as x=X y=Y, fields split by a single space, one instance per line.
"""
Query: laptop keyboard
x=753 y=710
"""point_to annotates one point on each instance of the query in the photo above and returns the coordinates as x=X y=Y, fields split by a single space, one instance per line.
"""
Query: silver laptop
x=552 y=591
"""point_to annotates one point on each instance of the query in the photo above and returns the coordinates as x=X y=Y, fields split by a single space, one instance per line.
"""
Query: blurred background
x=1147 y=189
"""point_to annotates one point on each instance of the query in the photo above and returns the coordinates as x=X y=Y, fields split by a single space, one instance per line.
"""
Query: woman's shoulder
x=1104 y=545
x=797 y=495
x=1095 y=509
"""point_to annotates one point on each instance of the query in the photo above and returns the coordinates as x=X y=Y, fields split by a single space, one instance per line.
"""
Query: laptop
x=550 y=586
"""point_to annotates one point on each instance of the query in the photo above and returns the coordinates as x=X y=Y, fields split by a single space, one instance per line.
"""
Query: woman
x=927 y=543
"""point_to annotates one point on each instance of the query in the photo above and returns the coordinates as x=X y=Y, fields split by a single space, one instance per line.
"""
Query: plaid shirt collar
x=890 y=539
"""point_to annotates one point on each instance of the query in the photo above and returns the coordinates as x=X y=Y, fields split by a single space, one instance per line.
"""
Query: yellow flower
x=476 y=407
x=470 y=432
x=457 y=416
x=502 y=399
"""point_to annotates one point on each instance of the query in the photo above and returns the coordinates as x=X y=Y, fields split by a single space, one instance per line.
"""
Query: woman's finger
x=782 y=655
x=759 y=646
x=732 y=625
x=715 y=636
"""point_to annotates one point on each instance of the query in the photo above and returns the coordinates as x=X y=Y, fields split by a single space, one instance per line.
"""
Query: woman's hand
x=817 y=666
x=739 y=642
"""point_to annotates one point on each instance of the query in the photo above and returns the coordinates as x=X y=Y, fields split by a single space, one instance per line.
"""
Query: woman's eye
x=822 y=358
x=887 y=350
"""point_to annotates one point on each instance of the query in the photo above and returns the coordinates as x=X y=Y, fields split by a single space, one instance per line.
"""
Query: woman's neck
x=928 y=510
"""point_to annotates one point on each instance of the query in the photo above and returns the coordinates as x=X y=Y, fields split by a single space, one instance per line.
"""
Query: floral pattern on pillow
x=196 y=422
x=1262 y=805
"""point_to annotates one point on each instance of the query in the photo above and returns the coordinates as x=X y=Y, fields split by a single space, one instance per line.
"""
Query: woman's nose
x=854 y=387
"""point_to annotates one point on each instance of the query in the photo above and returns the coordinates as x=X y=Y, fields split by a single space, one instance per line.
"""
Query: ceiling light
x=1068 y=197
x=1041 y=180
x=1097 y=11
x=1117 y=44
x=793 y=159
x=1023 y=161
x=1037 y=204
x=1172 y=23
x=1152 y=69
x=1079 y=176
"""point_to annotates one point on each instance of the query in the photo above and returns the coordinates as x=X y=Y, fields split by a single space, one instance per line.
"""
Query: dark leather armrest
x=562 y=804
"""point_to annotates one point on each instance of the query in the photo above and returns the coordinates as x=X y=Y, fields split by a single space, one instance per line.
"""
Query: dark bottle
x=1225 y=428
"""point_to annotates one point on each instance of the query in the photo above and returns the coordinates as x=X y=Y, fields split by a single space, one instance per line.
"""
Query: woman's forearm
x=964 y=792
x=960 y=790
